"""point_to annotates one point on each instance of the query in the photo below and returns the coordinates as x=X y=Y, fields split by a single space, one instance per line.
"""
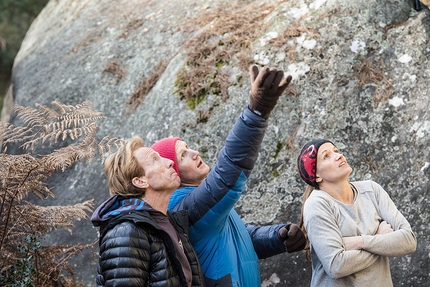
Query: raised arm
x=226 y=181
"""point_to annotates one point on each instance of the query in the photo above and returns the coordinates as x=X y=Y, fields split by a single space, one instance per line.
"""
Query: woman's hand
x=384 y=228
x=353 y=243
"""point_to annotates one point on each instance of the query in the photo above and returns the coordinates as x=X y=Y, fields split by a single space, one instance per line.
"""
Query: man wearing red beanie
x=229 y=250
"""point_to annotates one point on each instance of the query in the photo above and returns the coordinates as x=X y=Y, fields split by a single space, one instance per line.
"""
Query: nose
x=194 y=154
x=169 y=162
x=338 y=156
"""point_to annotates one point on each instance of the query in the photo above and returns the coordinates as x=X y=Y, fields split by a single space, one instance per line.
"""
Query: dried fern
x=106 y=146
x=26 y=173
x=44 y=123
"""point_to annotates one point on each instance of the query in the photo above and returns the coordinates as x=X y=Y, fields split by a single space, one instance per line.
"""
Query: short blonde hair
x=121 y=167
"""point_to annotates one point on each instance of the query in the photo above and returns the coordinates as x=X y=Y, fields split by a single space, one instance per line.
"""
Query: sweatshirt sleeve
x=398 y=243
x=265 y=240
x=209 y=204
x=326 y=240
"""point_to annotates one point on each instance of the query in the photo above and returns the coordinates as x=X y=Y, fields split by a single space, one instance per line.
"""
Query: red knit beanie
x=166 y=149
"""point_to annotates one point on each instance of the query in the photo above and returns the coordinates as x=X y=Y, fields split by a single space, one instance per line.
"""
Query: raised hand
x=267 y=86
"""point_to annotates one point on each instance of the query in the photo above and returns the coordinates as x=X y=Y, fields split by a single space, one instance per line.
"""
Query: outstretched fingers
x=253 y=73
x=269 y=80
x=284 y=84
x=262 y=77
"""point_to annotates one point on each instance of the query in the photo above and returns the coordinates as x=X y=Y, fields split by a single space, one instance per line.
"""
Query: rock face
x=179 y=68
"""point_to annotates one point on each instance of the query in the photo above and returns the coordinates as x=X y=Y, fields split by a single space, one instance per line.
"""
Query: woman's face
x=332 y=166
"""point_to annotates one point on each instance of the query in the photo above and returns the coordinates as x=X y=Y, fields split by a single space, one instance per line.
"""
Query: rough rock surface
x=360 y=72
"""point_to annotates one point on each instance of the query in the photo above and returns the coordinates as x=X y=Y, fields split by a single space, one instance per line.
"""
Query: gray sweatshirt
x=327 y=220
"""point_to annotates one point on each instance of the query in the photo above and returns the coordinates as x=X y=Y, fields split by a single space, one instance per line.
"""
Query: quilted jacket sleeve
x=124 y=257
x=265 y=240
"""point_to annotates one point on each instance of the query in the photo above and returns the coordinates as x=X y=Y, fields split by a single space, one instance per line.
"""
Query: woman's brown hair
x=306 y=251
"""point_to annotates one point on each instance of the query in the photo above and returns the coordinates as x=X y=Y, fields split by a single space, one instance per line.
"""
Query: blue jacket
x=228 y=250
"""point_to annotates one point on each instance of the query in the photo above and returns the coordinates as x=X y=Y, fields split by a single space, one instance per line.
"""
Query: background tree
x=15 y=19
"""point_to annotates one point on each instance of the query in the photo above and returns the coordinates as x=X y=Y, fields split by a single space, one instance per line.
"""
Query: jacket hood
x=117 y=205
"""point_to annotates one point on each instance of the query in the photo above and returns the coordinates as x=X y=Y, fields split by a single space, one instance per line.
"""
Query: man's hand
x=293 y=237
x=266 y=88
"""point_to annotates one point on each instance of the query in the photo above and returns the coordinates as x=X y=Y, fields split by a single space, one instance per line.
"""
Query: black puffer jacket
x=135 y=252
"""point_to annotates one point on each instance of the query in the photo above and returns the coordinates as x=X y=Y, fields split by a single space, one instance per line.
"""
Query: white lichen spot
x=426 y=165
x=357 y=46
x=267 y=37
x=382 y=24
x=420 y=128
x=272 y=35
x=262 y=58
x=396 y=101
x=274 y=279
x=298 y=70
x=280 y=56
x=317 y=4
x=308 y=44
x=151 y=136
x=405 y=58
x=413 y=78
x=297 y=13
x=393 y=138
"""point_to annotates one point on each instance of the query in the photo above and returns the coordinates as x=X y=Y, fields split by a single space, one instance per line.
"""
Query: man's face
x=159 y=172
x=190 y=165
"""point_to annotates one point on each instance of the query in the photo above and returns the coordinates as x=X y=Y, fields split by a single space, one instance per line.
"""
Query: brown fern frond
x=30 y=116
x=13 y=134
x=23 y=174
x=63 y=158
x=47 y=112
x=45 y=124
x=48 y=218
x=106 y=144
x=54 y=264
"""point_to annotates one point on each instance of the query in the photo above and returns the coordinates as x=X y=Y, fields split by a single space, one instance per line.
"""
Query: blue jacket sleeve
x=265 y=240
x=210 y=202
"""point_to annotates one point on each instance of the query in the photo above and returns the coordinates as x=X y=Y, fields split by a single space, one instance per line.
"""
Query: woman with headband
x=352 y=227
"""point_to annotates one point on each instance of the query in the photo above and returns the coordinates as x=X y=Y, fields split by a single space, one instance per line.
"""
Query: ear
x=140 y=182
x=318 y=178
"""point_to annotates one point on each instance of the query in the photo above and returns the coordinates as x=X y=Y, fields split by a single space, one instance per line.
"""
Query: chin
x=207 y=170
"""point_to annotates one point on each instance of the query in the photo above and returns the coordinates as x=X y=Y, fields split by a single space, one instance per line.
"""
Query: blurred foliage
x=16 y=17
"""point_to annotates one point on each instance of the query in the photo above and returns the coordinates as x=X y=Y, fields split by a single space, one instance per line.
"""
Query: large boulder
x=180 y=68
